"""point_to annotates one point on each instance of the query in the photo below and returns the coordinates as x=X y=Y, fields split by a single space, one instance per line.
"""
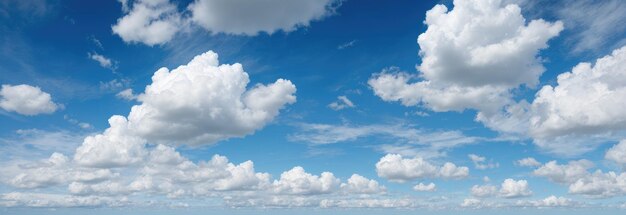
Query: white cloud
x=484 y=68
x=114 y=148
x=44 y=200
x=580 y=181
x=357 y=184
x=189 y=105
x=600 y=185
x=617 y=153
x=479 y=162
x=151 y=22
x=564 y=174
x=127 y=94
x=421 y=187
x=550 y=201
x=592 y=32
x=298 y=182
x=251 y=17
x=103 y=61
x=528 y=162
x=342 y=103
x=514 y=189
x=482 y=191
x=398 y=169
x=587 y=102
x=26 y=100
x=409 y=141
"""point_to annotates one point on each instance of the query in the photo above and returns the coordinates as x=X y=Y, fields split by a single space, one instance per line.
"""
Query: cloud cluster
x=462 y=67
x=395 y=168
x=155 y=22
x=26 y=100
x=509 y=188
x=580 y=181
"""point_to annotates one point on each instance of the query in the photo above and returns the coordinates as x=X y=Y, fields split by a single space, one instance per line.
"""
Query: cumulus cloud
x=511 y=188
x=26 y=100
x=617 y=153
x=587 y=101
x=421 y=187
x=297 y=181
x=461 y=67
x=155 y=22
x=357 y=184
x=580 y=181
x=583 y=110
x=528 y=162
x=342 y=103
x=480 y=162
x=398 y=169
x=482 y=191
x=252 y=17
x=151 y=22
x=189 y=104
x=567 y=173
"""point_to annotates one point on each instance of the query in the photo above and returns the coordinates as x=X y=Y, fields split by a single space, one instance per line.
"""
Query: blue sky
x=327 y=106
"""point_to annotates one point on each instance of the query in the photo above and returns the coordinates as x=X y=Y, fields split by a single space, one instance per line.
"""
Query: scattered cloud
x=395 y=168
x=26 y=100
x=346 y=45
x=480 y=162
x=407 y=140
x=103 y=61
x=421 y=187
x=127 y=94
x=528 y=162
x=342 y=103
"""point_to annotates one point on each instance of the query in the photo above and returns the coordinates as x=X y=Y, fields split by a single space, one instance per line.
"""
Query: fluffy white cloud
x=342 y=103
x=421 y=187
x=482 y=191
x=190 y=104
x=586 y=102
x=580 y=181
x=479 y=162
x=357 y=184
x=617 y=153
x=56 y=170
x=151 y=22
x=513 y=189
x=26 y=100
x=600 y=185
x=297 y=181
x=564 y=174
x=528 y=162
x=251 y=17
x=116 y=147
x=464 y=68
x=398 y=169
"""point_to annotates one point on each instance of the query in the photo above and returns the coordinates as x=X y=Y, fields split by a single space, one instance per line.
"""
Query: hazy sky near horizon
x=312 y=106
